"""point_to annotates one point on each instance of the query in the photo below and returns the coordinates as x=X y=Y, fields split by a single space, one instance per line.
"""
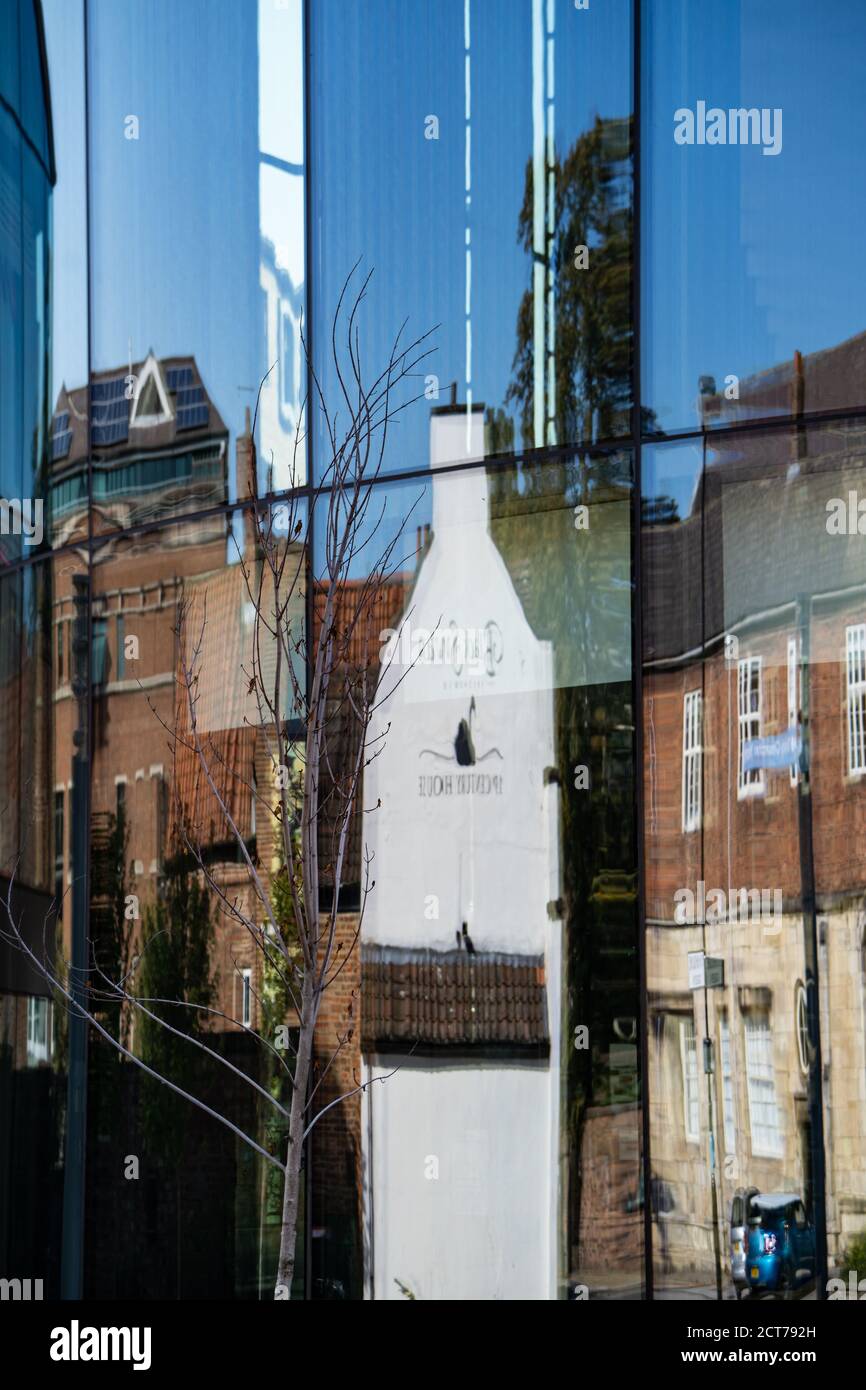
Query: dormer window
x=151 y=403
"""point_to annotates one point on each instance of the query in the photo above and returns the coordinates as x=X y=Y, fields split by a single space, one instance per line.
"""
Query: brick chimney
x=247 y=482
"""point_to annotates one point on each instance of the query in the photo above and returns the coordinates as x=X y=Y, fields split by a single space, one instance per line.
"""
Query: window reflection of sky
x=184 y=219
x=384 y=192
x=748 y=258
x=196 y=228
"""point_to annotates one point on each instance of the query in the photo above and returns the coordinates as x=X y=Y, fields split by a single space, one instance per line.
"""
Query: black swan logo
x=464 y=754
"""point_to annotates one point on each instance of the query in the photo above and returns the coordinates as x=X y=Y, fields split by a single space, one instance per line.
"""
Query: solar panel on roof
x=108 y=390
x=110 y=412
x=114 y=433
x=109 y=419
x=190 y=416
x=179 y=376
x=189 y=395
x=60 y=444
x=61 y=422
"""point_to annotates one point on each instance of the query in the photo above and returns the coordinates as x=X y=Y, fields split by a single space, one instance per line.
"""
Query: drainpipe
x=810 y=950
x=827 y=1063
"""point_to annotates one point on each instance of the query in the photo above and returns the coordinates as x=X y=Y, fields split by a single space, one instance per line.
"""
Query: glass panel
x=500 y=837
x=505 y=225
x=37 y=346
x=752 y=279
x=10 y=69
x=755 y=595
x=35 y=728
x=67 y=280
x=24 y=309
x=168 y=854
x=11 y=345
x=32 y=1031
x=197 y=221
x=34 y=111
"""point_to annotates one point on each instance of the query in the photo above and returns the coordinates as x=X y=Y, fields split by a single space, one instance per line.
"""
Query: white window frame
x=137 y=420
x=692 y=798
x=691 y=1081
x=801 y=1024
x=794 y=684
x=764 y=1116
x=855 y=698
x=247 y=998
x=38 y=1030
x=726 y=1070
x=750 y=783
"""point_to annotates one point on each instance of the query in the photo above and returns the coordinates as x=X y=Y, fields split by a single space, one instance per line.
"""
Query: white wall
x=483 y=856
x=481 y=1229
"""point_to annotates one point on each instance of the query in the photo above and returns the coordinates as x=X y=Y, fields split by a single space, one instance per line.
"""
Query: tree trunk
x=294 y=1154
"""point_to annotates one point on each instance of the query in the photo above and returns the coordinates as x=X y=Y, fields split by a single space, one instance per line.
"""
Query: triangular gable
x=151 y=406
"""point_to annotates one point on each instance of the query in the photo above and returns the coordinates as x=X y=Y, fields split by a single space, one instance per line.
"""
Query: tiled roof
x=382 y=609
x=452 y=999
x=762 y=539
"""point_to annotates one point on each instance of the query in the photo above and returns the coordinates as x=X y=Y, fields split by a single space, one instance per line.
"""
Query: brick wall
x=336 y=1149
x=753 y=842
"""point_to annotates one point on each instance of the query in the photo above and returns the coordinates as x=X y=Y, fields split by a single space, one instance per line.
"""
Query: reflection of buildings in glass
x=32 y=1056
x=159 y=448
x=744 y=597
x=457 y=945
x=281 y=396
x=783 y=608
x=26 y=192
x=236 y=741
x=160 y=453
x=282 y=266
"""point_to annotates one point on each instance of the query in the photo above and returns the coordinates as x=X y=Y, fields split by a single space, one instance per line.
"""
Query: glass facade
x=496 y=209
x=583 y=835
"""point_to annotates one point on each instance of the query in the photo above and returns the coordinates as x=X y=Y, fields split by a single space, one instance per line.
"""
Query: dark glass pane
x=34 y=110
x=11 y=329
x=10 y=72
x=37 y=340
x=471 y=207
x=751 y=240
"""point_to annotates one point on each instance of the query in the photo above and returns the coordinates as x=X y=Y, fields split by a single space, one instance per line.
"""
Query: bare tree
x=312 y=682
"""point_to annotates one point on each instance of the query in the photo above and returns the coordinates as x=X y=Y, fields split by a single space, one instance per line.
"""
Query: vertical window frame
x=726 y=1073
x=38 y=1030
x=247 y=997
x=855 y=698
x=691 y=1083
x=693 y=754
x=794 y=694
x=749 y=721
x=767 y=1136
